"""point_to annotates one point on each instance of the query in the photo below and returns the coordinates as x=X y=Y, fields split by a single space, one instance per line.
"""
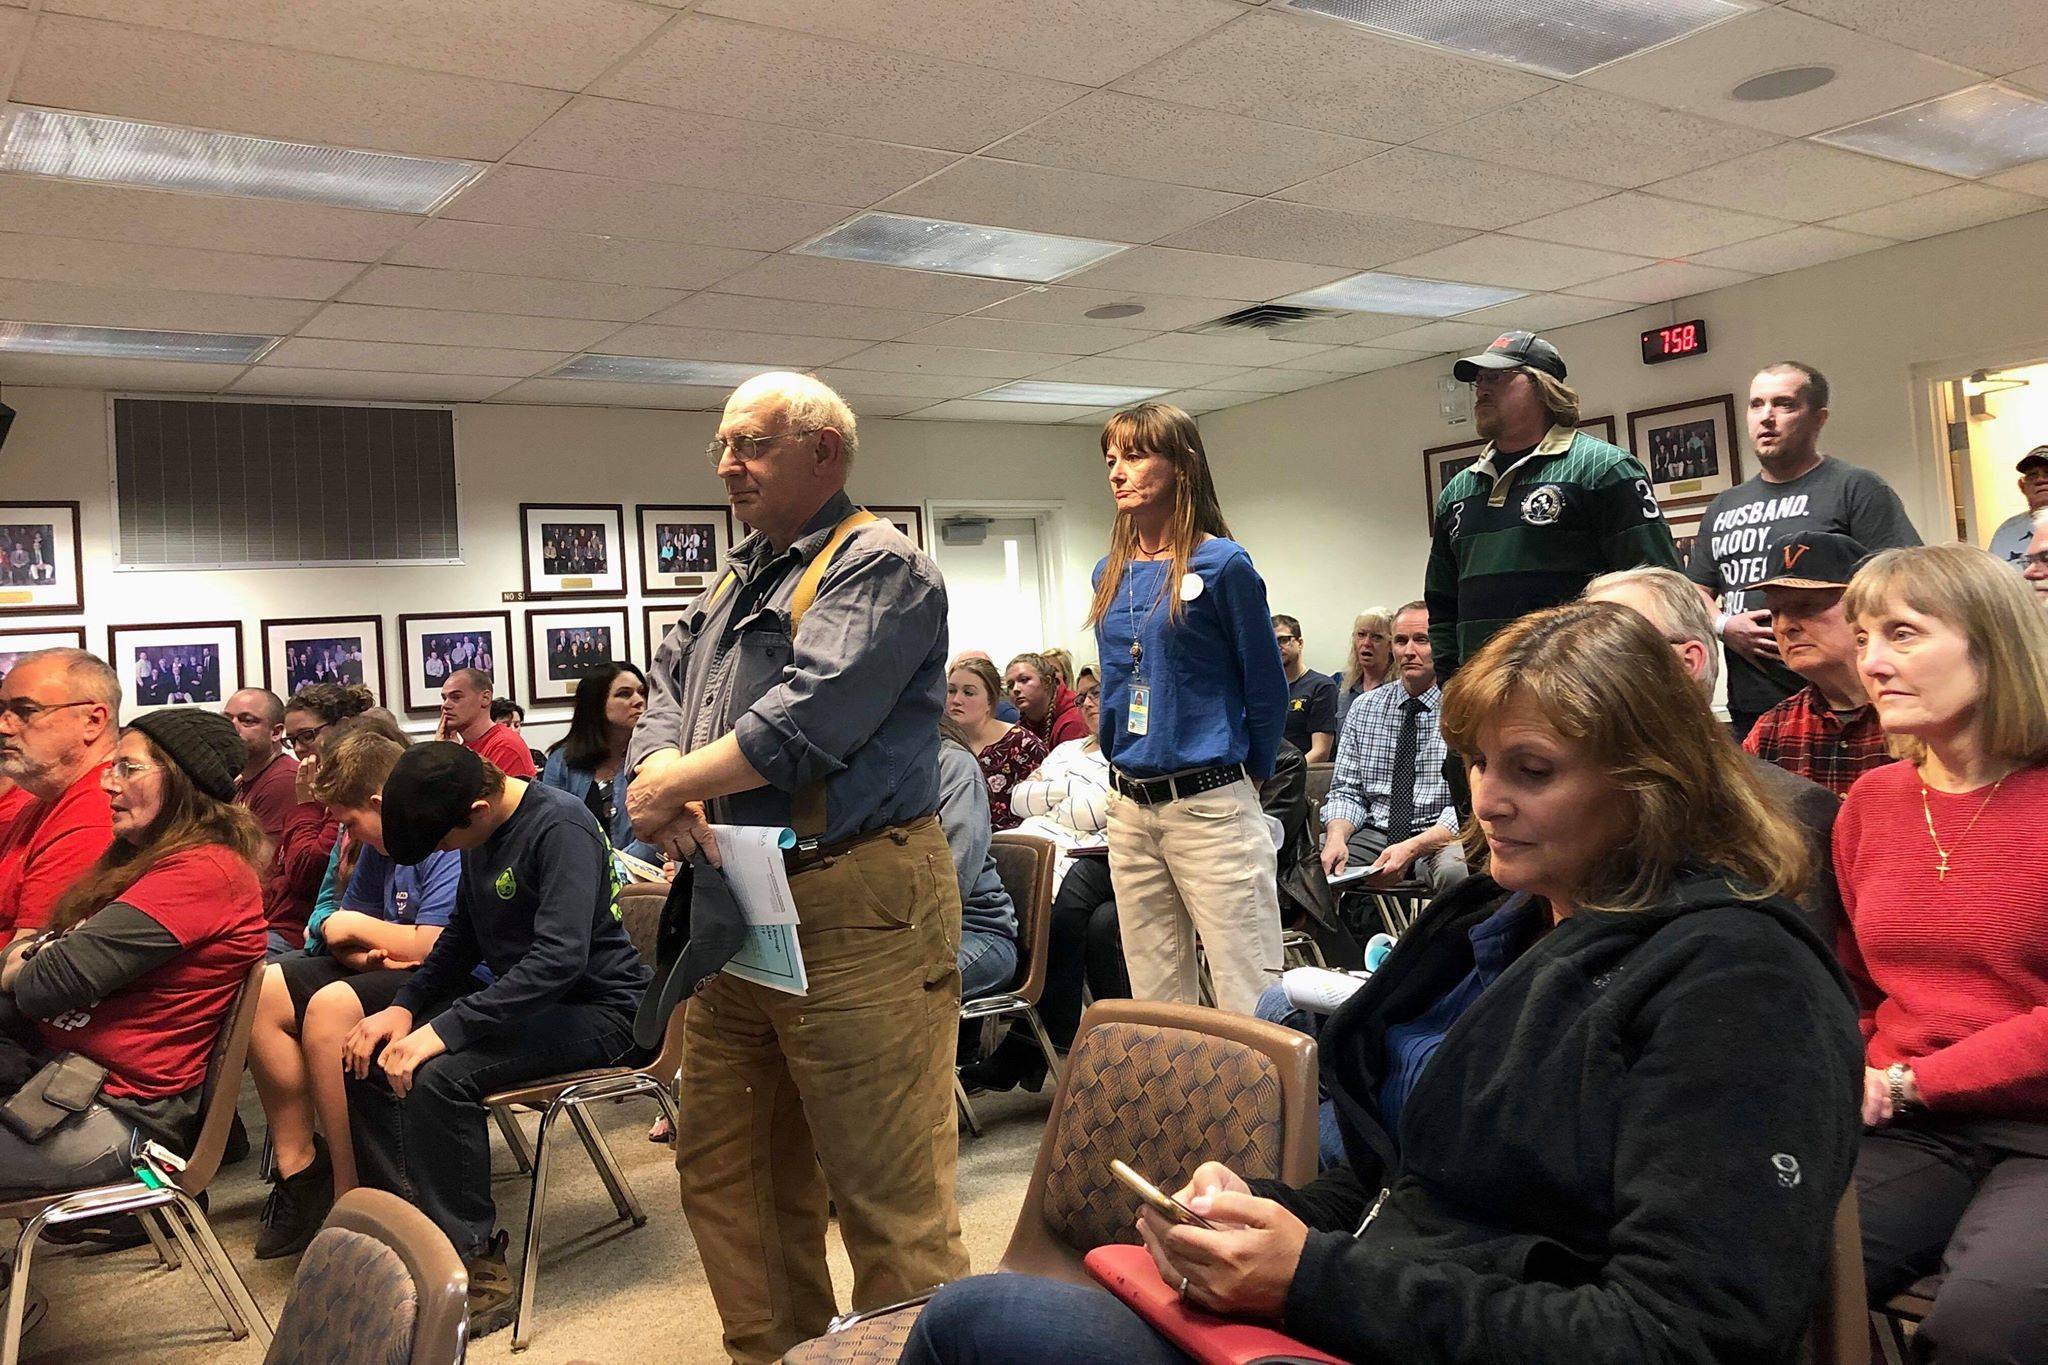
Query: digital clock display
x=1678 y=340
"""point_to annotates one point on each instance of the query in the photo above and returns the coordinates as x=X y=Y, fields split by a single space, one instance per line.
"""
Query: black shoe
x=297 y=1206
x=493 y=1294
x=119 y=1232
x=1008 y=1069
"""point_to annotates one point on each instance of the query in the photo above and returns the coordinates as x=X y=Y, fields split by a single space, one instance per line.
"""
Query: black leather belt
x=1154 y=791
x=806 y=856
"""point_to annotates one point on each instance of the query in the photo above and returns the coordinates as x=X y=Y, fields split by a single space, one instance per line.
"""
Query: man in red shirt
x=301 y=834
x=59 y=722
x=12 y=800
x=466 y=719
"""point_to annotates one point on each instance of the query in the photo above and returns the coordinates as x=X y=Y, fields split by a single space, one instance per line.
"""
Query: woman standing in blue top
x=1193 y=702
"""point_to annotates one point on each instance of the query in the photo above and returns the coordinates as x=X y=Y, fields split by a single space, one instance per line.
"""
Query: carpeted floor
x=607 y=1292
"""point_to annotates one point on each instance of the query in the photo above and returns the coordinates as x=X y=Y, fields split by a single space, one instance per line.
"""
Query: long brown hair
x=189 y=819
x=1602 y=677
x=1163 y=430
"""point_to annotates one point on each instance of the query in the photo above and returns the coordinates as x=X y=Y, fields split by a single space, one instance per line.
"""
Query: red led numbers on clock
x=1674 y=342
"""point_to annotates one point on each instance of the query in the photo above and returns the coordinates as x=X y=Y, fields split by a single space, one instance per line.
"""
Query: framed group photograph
x=908 y=520
x=42 y=572
x=1685 y=528
x=193 y=663
x=299 y=651
x=658 y=621
x=433 y=645
x=15 y=643
x=1689 y=449
x=1602 y=427
x=565 y=647
x=1439 y=464
x=575 y=549
x=681 y=548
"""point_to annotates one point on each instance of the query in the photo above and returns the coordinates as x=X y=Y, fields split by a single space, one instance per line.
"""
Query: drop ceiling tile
x=108 y=306
x=910 y=358
x=1794 y=250
x=452 y=244
x=1599 y=137
x=1516 y=263
x=1279 y=380
x=823 y=280
x=676 y=147
x=564 y=44
x=526 y=196
x=1436 y=188
x=241 y=87
x=1664 y=280
x=270 y=227
x=1302 y=232
x=1802 y=181
x=1052 y=38
x=1648 y=226
x=1148 y=139
x=2033 y=78
x=749 y=348
x=1367 y=359
x=868 y=405
x=1063 y=303
x=968 y=410
x=406 y=286
x=1163 y=374
x=894 y=384
x=1434 y=338
x=1333 y=76
x=319 y=353
x=607 y=394
x=93 y=372
x=1002 y=334
x=1345 y=329
x=2030 y=179
x=792 y=317
x=1202 y=273
x=1014 y=194
x=1991 y=35
x=286 y=382
x=427 y=326
x=1199 y=401
x=1539 y=311
x=1930 y=215
x=734 y=70
x=1244 y=349
x=1697 y=73
x=76 y=261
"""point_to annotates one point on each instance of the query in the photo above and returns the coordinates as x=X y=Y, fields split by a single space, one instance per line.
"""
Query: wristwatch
x=1895 y=1077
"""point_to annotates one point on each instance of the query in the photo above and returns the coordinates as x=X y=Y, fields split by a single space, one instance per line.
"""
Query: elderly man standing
x=59 y=722
x=804 y=689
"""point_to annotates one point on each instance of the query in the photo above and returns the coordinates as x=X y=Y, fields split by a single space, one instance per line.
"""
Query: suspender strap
x=807 y=803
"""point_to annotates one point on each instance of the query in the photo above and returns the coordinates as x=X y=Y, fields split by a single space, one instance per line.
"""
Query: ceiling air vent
x=1266 y=317
x=1562 y=38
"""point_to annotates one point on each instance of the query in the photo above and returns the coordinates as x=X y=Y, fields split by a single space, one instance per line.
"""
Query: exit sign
x=1675 y=342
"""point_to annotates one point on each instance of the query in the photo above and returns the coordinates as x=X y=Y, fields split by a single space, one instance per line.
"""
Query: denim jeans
x=988 y=963
x=1021 y=1319
x=1276 y=1008
x=433 y=1147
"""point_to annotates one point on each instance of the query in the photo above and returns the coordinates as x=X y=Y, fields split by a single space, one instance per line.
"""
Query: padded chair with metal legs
x=175 y=1201
x=1025 y=864
x=379 y=1282
x=1162 y=1086
x=573 y=1094
x=1907 y=1308
x=1841 y=1334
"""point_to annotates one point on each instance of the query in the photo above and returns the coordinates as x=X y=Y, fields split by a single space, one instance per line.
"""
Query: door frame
x=1930 y=437
x=1047 y=517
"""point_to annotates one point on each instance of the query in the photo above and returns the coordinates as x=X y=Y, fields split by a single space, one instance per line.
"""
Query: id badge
x=1137 y=714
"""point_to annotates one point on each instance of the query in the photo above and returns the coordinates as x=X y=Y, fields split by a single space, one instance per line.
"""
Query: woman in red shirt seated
x=1944 y=874
x=144 y=959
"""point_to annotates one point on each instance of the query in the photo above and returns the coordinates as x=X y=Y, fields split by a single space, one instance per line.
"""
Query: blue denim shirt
x=578 y=782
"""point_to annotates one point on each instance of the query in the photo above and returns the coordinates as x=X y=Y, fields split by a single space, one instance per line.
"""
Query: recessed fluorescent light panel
x=1402 y=295
x=1080 y=395
x=1562 y=38
x=157 y=156
x=126 y=343
x=1978 y=131
x=649 y=369
x=959 y=248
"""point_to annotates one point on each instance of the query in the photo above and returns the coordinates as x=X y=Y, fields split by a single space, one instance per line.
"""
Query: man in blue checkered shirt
x=1389 y=806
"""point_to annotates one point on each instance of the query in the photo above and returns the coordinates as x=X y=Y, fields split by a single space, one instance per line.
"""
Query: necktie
x=1401 y=795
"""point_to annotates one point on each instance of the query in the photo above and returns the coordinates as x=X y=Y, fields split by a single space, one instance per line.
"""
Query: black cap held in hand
x=1512 y=351
x=203 y=744
x=427 y=795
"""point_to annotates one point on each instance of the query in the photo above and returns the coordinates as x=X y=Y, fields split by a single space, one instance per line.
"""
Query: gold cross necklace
x=1941 y=866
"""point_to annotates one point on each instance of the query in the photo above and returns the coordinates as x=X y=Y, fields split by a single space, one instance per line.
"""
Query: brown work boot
x=493 y=1294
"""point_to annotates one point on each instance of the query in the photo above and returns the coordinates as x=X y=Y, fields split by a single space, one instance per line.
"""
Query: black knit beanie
x=203 y=743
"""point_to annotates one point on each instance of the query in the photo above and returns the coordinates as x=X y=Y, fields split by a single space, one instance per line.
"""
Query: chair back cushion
x=352 y=1303
x=640 y=914
x=1162 y=1100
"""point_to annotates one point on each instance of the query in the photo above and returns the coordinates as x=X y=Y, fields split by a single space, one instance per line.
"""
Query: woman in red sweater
x=1943 y=866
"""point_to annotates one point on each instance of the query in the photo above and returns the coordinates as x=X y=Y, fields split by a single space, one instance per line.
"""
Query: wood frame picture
x=682 y=547
x=1439 y=463
x=1603 y=427
x=29 y=639
x=1685 y=527
x=1690 y=449
x=427 y=637
x=572 y=549
x=657 y=620
x=565 y=645
x=324 y=645
x=177 y=663
x=49 y=580
x=908 y=520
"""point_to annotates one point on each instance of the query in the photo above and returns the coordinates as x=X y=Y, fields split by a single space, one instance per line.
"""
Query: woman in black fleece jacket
x=1597 y=1106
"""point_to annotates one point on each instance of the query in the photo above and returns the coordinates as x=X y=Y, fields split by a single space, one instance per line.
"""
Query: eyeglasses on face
x=303 y=739
x=25 y=711
x=124 y=769
x=745 y=448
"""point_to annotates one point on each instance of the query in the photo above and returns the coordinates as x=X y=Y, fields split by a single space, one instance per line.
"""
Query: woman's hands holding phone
x=1245 y=1263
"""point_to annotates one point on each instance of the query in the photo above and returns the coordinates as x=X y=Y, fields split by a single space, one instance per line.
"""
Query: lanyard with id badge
x=1138 y=711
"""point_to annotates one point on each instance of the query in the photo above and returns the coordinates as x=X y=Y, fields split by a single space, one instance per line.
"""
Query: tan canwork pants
x=855 y=1078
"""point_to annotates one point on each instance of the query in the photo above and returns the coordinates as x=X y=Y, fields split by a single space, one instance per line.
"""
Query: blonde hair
x=1380 y=621
x=1062 y=662
x=1163 y=430
x=1603 y=679
x=2006 y=631
x=1559 y=398
x=985 y=673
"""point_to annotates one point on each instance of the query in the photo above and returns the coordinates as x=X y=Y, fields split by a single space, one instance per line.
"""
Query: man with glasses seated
x=300 y=833
x=59 y=722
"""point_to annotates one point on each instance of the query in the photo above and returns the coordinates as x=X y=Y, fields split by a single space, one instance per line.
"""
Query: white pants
x=1203 y=864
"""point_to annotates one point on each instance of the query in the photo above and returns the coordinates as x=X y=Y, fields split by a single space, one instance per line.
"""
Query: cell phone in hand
x=1165 y=1204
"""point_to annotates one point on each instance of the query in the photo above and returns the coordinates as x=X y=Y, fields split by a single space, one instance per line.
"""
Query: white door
x=994 y=590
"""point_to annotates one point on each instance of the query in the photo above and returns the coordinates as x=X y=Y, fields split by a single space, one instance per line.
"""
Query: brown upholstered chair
x=1025 y=864
x=175 y=1202
x=1164 y=1087
x=1841 y=1320
x=378 y=1283
x=571 y=1094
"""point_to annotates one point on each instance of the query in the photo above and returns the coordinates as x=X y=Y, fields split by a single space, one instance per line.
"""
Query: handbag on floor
x=1128 y=1272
